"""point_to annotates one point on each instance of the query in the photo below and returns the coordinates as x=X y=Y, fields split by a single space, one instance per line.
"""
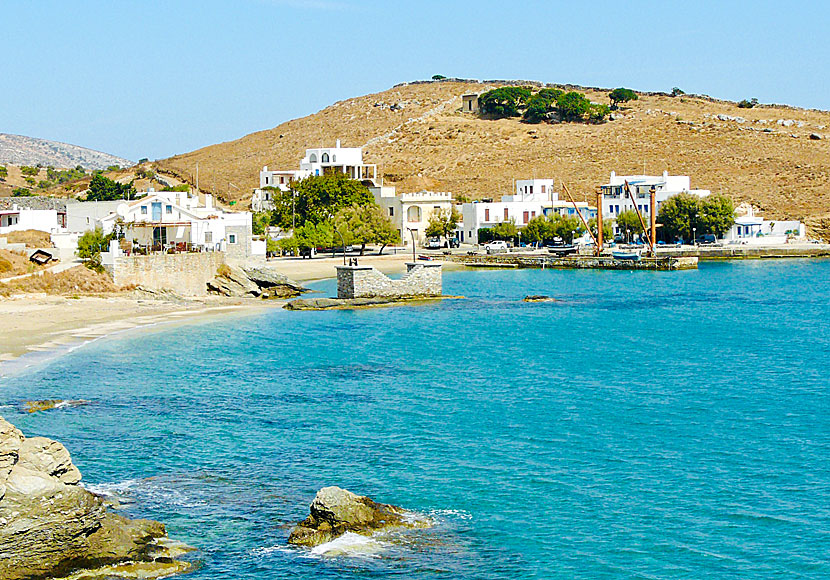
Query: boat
x=631 y=255
x=563 y=250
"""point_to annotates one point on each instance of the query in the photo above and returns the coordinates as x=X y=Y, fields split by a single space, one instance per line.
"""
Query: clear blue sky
x=152 y=79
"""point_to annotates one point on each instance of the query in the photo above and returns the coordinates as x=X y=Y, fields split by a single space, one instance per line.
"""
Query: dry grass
x=32 y=238
x=79 y=280
x=785 y=176
x=15 y=264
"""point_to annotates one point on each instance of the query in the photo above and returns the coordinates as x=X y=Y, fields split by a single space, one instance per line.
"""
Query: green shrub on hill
x=4 y=172
x=29 y=170
x=504 y=102
x=621 y=95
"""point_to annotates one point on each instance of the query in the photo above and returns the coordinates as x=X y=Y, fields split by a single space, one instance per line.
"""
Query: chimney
x=338 y=144
x=665 y=174
x=613 y=174
x=208 y=201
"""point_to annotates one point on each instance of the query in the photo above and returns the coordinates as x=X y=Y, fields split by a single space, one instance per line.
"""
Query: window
x=531 y=189
x=391 y=211
x=143 y=210
x=505 y=214
x=487 y=214
x=312 y=158
x=525 y=217
x=208 y=237
x=533 y=213
x=543 y=189
x=266 y=180
x=325 y=158
x=168 y=209
x=231 y=238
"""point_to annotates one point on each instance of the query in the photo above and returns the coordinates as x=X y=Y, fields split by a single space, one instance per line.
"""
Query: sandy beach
x=40 y=322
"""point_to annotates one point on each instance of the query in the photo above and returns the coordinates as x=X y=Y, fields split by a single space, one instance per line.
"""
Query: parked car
x=496 y=247
x=433 y=244
x=454 y=243
x=706 y=239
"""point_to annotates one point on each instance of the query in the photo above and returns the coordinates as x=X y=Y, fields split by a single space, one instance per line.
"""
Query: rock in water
x=51 y=526
x=336 y=511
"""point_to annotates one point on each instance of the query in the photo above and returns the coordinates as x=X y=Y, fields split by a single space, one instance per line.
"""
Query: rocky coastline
x=50 y=526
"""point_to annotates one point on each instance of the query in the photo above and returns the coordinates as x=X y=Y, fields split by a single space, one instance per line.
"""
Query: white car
x=496 y=247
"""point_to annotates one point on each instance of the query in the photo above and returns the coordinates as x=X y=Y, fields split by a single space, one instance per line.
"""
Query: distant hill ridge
x=774 y=156
x=22 y=150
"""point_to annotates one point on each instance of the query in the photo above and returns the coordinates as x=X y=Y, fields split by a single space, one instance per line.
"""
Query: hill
x=419 y=137
x=21 y=150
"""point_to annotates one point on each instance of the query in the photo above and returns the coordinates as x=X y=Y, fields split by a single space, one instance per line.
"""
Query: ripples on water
x=649 y=425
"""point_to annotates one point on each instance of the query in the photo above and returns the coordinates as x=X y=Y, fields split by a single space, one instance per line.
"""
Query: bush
x=21 y=192
x=438 y=77
x=573 y=106
x=92 y=243
x=180 y=187
x=104 y=189
x=677 y=91
x=4 y=172
x=31 y=181
x=598 y=113
x=748 y=104
x=540 y=105
x=28 y=170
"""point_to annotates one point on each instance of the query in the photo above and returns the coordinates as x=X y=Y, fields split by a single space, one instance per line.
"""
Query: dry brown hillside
x=421 y=140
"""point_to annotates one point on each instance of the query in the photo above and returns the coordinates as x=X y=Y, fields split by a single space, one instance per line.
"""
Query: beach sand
x=39 y=322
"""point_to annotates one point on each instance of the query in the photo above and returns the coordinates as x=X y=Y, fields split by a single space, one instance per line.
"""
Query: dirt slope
x=421 y=140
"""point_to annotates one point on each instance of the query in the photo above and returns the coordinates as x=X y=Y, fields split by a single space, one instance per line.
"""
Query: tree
x=621 y=95
x=90 y=246
x=565 y=226
x=680 y=215
x=717 y=214
x=677 y=91
x=438 y=77
x=442 y=223
x=365 y=224
x=260 y=220
x=573 y=106
x=28 y=170
x=505 y=230
x=21 y=192
x=607 y=228
x=748 y=104
x=314 y=235
x=540 y=105
x=628 y=221
x=104 y=189
x=4 y=172
x=504 y=101
x=320 y=197
x=537 y=230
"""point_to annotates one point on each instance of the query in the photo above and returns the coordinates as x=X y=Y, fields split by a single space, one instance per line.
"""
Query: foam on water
x=351 y=545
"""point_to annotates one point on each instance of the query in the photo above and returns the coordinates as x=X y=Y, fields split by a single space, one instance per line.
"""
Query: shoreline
x=40 y=327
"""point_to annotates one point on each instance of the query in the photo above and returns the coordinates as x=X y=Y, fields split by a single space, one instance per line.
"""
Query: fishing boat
x=631 y=255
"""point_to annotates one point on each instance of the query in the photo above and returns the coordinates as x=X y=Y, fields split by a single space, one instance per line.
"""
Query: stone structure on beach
x=252 y=280
x=421 y=279
x=51 y=526
x=336 y=511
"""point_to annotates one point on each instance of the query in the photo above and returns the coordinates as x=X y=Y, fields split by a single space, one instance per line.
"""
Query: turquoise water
x=649 y=425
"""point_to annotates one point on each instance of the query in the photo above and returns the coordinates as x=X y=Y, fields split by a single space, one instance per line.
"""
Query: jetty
x=578 y=262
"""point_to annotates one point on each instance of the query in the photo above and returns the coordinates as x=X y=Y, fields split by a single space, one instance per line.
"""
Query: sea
x=643 y=425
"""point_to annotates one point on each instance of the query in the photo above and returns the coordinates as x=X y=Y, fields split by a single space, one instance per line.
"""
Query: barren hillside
x=421 y=140
x=21 y=150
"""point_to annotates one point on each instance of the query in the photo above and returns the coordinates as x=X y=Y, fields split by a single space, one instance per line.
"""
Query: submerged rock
x=539 y=298
x=336 y=511
x=48 y=404
x=51 y=526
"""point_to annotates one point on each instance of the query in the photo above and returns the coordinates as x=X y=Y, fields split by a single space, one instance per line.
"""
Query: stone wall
x=366 y=282
x=185 y=274
x=241 y=250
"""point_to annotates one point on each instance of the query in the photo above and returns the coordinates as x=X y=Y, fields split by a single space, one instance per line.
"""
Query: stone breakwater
x=51 y=526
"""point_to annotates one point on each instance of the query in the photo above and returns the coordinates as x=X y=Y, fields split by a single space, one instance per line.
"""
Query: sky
x=154 y=79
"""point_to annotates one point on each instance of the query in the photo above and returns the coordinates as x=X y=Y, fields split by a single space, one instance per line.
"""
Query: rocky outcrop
x=539 y=298
x=253 y=281
x=336 y=511
x=51 y=526
x=48 y=404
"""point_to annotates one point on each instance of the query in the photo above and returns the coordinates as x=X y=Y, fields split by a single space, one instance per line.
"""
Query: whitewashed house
x=531 y=198
x=319 y=161
x=754 y=230
x=32 y=213
x=176 y=221
x=410 y=212
x=615 y=200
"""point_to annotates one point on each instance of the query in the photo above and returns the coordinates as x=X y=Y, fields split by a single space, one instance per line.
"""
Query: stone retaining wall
x=185 y=274
x=366 y=282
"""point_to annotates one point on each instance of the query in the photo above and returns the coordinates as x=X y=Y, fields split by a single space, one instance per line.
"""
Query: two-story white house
x=318 y=161
x=410 y=212
x=615 y=200
x=754 y=230
x=531 y=198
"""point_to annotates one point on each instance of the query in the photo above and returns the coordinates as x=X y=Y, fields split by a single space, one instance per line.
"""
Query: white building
x=410 y=212
x=751 y=229
x=531 y=198
x=170 y=220
x=319 y=161
x=21 y=218
x=615 y=200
